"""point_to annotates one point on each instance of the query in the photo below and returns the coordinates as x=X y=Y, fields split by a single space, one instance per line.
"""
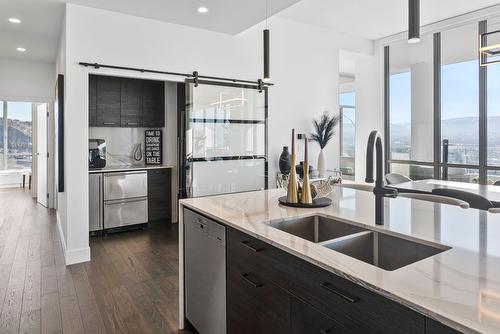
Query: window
x=16 y=135
x=493 y=103
x=460 y=94
x=400 y=102
x=415 y=145
x=410 y=101
x=347 y=133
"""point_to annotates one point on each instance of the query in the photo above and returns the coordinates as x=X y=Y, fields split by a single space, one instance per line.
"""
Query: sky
x=459 y=92
x=19 y=110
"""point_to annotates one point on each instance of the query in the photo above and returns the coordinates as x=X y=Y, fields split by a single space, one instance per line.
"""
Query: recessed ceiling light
x=202 y=9
x=21 y=49
x=14 y=20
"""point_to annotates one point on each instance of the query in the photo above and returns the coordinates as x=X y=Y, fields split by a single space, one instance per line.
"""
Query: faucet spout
x=380 y=191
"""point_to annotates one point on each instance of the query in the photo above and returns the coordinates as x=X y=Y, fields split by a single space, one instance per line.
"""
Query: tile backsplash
x=120 y=144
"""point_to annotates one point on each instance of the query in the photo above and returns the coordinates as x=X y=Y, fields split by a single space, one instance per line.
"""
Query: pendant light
x=266 y=76
x=413 y=21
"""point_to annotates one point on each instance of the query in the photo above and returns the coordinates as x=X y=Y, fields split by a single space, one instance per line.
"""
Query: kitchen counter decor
x=300 y=194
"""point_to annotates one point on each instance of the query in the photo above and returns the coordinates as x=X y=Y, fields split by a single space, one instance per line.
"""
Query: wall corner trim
x=72 y=256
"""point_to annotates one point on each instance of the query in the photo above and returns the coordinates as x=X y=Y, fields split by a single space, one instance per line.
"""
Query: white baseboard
x=72 y=256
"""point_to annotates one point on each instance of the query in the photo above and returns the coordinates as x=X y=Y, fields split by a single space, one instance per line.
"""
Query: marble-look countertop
x=127 y=168
x=459 y=287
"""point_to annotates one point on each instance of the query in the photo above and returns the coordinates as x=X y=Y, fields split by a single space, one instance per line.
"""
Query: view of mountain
x=463 y=131
x=19 y=134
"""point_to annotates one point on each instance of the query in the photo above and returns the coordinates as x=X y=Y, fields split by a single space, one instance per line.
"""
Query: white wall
x=23 y=80
x=369 y=106
x=304 y=68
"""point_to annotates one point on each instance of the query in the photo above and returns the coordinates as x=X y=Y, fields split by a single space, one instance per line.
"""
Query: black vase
x=285 y=161
x=300 y=169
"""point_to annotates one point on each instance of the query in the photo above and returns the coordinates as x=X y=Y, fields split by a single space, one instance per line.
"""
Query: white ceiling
x=38 y=32
x=226 y=16
x=374 y=19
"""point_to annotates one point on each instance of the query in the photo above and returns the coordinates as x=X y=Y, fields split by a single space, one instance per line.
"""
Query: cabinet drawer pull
x=328 y=287
x=109 y=123
x=249 y=281
x=325 y=331
x=132 y=123
x=246 y=243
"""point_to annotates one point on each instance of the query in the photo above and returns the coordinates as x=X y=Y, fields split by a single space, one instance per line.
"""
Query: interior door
x=41 y=154
x=225 y=138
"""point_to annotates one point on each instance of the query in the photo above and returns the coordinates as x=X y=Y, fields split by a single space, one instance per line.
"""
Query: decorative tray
x=316 y=203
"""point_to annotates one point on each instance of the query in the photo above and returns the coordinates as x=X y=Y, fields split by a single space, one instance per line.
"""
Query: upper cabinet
x=108 y=101
x=153 y=103
x=124 y=102
x=92 y=100
x=131 y=102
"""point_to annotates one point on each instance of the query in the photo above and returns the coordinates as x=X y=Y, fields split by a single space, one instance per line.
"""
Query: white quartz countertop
x=459 y=287
x=127 y=168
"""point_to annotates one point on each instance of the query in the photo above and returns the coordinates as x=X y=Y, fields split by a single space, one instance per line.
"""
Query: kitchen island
x=457 y=289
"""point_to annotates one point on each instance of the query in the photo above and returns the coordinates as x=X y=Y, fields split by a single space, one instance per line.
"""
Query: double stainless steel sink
x=382 y=250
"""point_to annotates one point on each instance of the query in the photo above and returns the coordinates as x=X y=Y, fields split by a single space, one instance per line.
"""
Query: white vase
x=321 y=164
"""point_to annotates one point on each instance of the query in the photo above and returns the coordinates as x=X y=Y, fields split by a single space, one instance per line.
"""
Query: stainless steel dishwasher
x=205 y=273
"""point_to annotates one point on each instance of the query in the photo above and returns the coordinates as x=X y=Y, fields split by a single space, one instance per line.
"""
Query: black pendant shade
x=266 y=55
x=413 y=21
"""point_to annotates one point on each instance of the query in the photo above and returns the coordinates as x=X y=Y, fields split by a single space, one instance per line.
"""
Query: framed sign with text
x=153 y=147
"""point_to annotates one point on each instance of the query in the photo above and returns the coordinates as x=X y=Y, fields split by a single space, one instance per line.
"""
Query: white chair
x=395 y=178
x=436 y=199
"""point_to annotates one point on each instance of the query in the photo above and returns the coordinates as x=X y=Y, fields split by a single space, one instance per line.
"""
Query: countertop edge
x=396 y=298
x=125 y=169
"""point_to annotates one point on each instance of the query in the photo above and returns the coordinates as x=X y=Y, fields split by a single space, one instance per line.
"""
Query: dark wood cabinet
x=351 y=305
x=131 y=103
x=92 y=100
x=434 y=327
x=327 y=296
x=254 y=303
x=307 y=320
x=126 y=102
x=153 y=104
x=108 y=101
x=159 y=194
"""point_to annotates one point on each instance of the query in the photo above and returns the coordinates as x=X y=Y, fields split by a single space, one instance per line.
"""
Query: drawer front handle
x=325 y=331
x=246 y=243
x=249 y=281
x=328 y=287
x=109 y=123
x=132 y=123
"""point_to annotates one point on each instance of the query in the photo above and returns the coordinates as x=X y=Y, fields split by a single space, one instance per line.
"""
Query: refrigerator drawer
x=125 y=185
x=125 y=212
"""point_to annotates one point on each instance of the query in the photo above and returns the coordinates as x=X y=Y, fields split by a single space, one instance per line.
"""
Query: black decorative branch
x=324 y=129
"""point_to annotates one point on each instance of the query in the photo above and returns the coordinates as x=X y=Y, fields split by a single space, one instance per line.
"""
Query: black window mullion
x=483 y=144
x=437 y=104
x=387 y=112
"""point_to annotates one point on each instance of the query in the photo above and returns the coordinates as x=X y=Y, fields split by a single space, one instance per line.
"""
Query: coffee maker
x=97 y=153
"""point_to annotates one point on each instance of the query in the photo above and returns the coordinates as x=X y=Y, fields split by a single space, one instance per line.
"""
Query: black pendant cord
x=266 y=74
x=193 y=75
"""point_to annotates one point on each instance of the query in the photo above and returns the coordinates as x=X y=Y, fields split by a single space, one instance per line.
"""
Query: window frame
x=482 y=165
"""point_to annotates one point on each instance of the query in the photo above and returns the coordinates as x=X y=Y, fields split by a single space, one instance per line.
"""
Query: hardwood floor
x=129 y=286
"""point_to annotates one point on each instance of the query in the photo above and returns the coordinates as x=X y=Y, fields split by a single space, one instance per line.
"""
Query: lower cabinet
x=271 y=291
x=159 y=194
x=254 y=303
x=307 y=320
x=434 y=327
